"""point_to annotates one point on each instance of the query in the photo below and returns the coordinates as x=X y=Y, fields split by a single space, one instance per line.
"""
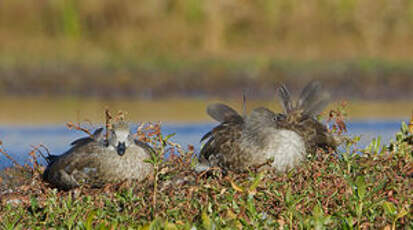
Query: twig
x=141 y=126
x=244 y=103
x=45 y=148
x=266 y=163
x=178 y=147
x=70 y=125
x=34 y=158
x=108 y=124
x=8 y=156
x=90 y=123
x=37 y=148
x=206 y=171
x=120 y=116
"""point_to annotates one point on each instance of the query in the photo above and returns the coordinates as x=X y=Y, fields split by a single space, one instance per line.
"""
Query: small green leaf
x=389 y=208
x=401 y=214
x=34 y=203
x=206 y=221
x=89 y=220
x=155 y=224
x=256 y=182
x=236 y=187
x=169 y=136
x=317 y=211
x=404 y=128
x=378 y=143
x=251 y=206
x=361 y=187
x=170 y=226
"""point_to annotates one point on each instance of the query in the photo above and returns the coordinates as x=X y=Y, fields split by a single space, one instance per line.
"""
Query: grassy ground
x=362 y=189
x=45 y=110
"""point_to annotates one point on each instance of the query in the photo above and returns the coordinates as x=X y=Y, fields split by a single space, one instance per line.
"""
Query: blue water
x=18 y=140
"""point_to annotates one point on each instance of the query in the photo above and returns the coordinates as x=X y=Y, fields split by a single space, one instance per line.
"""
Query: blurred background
x=66 y=60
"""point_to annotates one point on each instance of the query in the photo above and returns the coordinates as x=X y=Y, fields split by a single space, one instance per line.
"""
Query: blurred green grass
x=158 y=48
x=304 y=29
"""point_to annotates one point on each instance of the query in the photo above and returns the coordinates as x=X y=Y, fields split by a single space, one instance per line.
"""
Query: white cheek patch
x=122 y=136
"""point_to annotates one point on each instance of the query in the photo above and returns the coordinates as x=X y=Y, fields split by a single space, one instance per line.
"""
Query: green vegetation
x=158 y=48
x=93 y=29
x=357 y=188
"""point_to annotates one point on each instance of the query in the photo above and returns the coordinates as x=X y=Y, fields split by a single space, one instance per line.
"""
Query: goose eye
x=278 y=117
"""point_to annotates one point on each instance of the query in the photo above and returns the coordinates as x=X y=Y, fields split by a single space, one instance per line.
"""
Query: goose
x=239 y=142
x=96 y=161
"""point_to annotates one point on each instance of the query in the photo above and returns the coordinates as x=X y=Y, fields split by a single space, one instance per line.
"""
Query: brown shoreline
x=44 y=110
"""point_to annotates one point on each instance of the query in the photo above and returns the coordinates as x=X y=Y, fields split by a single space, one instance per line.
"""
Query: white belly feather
x=286 y=147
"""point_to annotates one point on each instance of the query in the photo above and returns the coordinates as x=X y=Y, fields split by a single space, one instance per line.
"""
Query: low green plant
x=354 y=189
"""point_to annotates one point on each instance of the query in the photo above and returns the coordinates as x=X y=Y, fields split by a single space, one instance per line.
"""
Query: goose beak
x=121 y=148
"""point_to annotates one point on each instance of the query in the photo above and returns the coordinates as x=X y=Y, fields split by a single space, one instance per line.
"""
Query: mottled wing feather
x=221 y=140
x=78 y=157
x=209 y=148
x=60 y=171
x=222 y=148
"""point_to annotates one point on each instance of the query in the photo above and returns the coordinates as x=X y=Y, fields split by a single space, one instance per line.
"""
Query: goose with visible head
x=96 y=161
x=240 y=142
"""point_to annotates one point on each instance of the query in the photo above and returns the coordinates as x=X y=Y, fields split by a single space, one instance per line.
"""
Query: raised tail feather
x=300 y=116
x=313 y=99
x=222 y=113
x=285 y=98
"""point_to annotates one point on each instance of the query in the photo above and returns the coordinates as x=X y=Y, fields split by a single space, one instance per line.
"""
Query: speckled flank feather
x=93 y=163
x=222 y=147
